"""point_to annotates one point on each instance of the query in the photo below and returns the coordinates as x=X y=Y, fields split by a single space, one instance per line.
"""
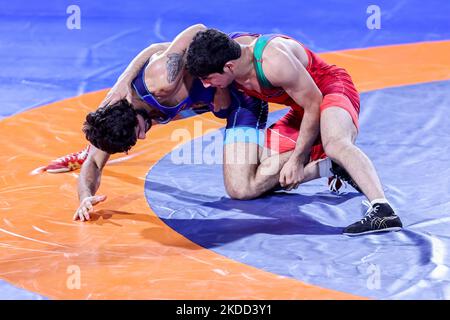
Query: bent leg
x=246 y=177
x=247 y=172
x=338 y=133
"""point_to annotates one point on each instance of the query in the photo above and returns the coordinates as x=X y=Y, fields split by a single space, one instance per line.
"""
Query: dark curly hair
x=112 y=128
x=209 y=51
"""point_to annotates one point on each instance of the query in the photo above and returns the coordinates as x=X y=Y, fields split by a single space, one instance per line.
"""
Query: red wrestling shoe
x=68 y=163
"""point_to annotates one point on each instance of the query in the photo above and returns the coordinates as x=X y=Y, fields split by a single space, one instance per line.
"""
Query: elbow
x=91 y=166
x=199 y=27
x=158 y=46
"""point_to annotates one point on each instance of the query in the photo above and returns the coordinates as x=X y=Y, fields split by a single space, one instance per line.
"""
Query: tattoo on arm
x=174 y=66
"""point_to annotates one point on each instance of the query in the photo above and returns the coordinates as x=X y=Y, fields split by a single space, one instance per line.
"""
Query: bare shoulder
x=245 y=40
x=156 y=73
x=277 y=61
x=282 y=58
x=164 y=71
x=282 y=48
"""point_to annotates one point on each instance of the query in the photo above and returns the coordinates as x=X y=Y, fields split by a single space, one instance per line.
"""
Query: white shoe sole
x=58 y=170
x=373 y=231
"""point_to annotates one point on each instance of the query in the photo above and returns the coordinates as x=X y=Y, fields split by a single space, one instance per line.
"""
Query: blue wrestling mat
x=405 y=130
x=56 y=62
x=406 y=133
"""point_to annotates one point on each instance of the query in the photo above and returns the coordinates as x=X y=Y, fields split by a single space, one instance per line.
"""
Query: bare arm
x=296 y=81
x=285 y=70
x=90 y=175
x=171 y=52
x=173 y=57
x=139 y=61
x=89 y=182
x=122 y=87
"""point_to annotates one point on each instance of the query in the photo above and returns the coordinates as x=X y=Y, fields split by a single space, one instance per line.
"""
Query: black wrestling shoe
x=339 y=175
x=379 y=218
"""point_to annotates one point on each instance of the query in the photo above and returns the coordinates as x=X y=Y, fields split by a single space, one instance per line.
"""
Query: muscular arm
x=122 y=87
x=91 y=171
x=139 y=61
x=165 y=69
x=171 y=51
x=285 y=70
x=173 y=56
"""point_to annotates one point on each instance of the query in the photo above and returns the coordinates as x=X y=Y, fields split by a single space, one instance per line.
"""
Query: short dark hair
x=209 y=51
x=112 y=128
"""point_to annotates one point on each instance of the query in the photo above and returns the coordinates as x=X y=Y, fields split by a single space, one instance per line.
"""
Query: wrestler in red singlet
x=334 y=83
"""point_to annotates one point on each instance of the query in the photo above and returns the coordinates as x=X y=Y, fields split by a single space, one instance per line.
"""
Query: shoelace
x=332 y=185
x=73 y=156
x=370 y=211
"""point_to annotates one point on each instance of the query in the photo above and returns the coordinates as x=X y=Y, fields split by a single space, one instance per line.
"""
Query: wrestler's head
x=116 y=128
x=210 y=57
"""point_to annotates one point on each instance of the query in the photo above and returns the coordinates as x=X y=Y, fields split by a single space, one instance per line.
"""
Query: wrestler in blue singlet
x=246 y=116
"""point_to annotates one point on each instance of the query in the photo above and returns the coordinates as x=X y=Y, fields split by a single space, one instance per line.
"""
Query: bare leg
x=247 y=178
x=338 y=136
